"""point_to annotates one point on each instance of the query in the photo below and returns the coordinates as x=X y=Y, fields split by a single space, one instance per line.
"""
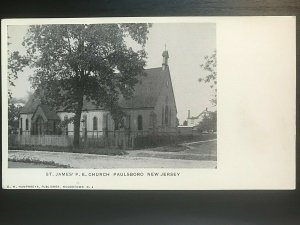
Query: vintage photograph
x=112 y=95
x=175 y=103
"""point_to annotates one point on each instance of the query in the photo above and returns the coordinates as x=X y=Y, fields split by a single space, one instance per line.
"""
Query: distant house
x=206 y=121
x=151 y=108
x=193 y=121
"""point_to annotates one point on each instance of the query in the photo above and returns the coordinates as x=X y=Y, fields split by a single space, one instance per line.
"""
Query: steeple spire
x=165 y=56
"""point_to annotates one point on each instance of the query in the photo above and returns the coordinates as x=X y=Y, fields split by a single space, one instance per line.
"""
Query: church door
x=40 y=126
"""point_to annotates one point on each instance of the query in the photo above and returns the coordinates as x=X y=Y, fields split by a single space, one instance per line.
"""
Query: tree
x=16 y=64
x=77 y=62
x=13 y=115
x=209 y=67
x=209 y=122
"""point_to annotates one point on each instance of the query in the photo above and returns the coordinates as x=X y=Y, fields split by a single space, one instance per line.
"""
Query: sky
x=187 y=44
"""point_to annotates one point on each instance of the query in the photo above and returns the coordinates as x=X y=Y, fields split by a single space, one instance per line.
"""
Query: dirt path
x=79 y=160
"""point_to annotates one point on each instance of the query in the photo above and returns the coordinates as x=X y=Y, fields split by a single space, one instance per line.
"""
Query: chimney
x=189 y=114
x=165 y=56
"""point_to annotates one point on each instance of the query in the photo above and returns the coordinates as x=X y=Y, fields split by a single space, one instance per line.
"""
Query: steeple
x=165 y=56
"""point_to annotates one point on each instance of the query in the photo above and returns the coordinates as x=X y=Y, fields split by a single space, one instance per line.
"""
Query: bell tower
x=165 y=56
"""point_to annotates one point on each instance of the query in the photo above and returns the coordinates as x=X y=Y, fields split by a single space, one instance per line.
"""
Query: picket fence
x=120 y=139
x=41 y=140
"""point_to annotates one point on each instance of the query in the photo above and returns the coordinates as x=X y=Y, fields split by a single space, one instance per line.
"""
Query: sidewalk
x=132 y=160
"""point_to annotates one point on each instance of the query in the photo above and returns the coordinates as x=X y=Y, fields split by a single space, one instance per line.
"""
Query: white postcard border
x=266 y=163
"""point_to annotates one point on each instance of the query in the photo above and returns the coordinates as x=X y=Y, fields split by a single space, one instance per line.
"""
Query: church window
x=128 y=121
x=27 y=124
x=140 y=122
x=21 y=126
x=95 y=123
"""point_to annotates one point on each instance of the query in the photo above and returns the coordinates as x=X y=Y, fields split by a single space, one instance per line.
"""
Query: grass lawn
x=30 y=162
x=196 y=151
x=30 y=165
x=99 y=151
x=203 y=148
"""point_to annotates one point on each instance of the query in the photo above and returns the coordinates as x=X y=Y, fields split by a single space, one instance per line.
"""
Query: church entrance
x=45 y=122
x=40 y=126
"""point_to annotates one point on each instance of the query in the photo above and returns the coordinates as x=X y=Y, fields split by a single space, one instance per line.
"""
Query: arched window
x=26 y=124
x=140 y=122
x=95 y=123
x=21 y=126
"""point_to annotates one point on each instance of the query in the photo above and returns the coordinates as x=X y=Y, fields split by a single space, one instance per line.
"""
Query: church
x=152 y=108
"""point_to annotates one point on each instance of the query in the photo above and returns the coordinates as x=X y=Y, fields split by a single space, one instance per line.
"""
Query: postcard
x=154 y=103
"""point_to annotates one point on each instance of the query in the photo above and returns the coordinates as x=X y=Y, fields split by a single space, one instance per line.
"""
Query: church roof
x=146 y=93
x=49 y=114
x=31 y=104
x=147 y=90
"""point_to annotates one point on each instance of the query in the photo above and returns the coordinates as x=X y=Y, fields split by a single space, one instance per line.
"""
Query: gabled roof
x=46 y=112
x=50 y=115
x=146 y=93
